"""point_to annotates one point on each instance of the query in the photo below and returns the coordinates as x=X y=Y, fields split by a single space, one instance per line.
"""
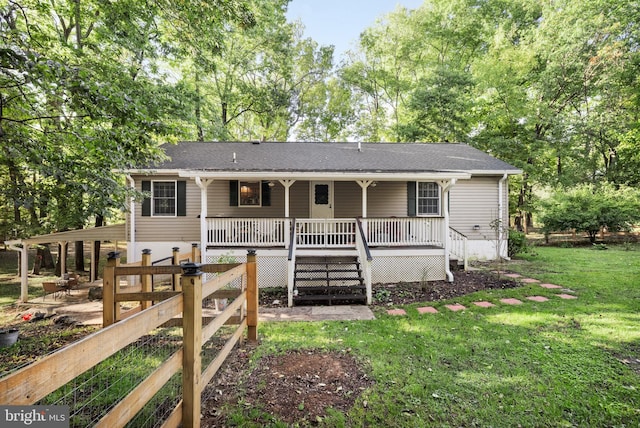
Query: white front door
x=321 y=199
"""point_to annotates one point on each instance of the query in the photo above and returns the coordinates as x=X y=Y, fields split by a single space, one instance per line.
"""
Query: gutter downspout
x=131 y=248
x=501 y=214
x=445 y=197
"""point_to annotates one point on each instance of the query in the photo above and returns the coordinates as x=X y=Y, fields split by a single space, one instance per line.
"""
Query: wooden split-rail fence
x=33 y=383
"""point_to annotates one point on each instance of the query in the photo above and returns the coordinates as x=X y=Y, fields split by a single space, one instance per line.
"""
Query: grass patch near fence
x=554 y=363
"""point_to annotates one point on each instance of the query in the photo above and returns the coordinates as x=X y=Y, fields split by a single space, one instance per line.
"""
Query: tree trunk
x=47 y=257
x=96 y=245
x=79 y=252
x=37 y=262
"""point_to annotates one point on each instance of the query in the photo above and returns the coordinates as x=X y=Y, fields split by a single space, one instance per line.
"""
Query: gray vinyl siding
x=475 y=201
x=347 y=198
x=160 y=228
x=387 y=199
x=300 y=205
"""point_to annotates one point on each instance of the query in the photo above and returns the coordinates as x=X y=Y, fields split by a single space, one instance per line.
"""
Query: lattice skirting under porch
x=272 y=267
x=406 y=268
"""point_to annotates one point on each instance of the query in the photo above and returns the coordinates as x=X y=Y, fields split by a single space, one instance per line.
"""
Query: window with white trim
x=163 y=197
x=250 y=195
x=428 y=199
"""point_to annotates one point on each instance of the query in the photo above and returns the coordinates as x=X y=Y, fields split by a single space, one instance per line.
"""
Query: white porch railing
x=332 y=232
x=322 y=233
x=458 y=246
x=256 y=232
x=404 y=231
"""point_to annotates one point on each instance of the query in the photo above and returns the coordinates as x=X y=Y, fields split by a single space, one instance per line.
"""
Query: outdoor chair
x=52 y=288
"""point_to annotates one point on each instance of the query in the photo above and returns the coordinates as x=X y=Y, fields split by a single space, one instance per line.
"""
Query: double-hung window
x=163 y=195
x=428 y=199
x=250 y=195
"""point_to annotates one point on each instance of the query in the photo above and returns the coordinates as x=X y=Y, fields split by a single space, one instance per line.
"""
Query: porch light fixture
x=476 y=227
x=374 y=184
x=271 y=184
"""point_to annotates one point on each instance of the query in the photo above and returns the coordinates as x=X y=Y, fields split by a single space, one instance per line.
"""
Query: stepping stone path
x=551 y=286
x=484 y=304
x=566 y=296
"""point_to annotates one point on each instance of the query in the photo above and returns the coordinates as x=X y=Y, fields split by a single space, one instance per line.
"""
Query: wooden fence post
x=252 y=296
x=176 y=262
x=191 y=283
x=195 y=253
x=145 y=280
x=109 y=309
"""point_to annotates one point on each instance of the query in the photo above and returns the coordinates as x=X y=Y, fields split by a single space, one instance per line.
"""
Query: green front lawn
x=554 y=363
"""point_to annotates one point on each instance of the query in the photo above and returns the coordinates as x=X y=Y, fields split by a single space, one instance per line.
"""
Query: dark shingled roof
x=329 y=157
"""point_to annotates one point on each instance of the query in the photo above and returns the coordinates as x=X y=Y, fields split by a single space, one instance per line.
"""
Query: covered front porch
x=391 y=249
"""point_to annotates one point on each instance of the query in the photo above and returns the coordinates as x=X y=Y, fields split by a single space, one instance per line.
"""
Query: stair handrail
x=364 y=240
x=362 y=246
x=291 y=262
x=292 y=240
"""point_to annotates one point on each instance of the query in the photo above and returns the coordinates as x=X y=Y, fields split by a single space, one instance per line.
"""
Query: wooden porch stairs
x=329 y=279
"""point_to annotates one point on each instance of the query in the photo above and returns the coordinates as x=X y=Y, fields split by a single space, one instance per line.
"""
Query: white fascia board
x=496 y=172
x=336 y=176
x=147 y=172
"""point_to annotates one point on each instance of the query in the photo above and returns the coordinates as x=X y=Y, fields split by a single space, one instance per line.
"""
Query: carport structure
x=113 y=233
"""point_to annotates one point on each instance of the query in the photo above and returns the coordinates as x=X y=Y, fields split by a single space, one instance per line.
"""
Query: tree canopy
x=88 y=87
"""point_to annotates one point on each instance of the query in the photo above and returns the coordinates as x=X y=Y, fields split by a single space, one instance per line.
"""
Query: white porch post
x=63 y=257
x=287 y=203
x=287 y=185
x=446 y=187
x=131 y=245
x=203 y=184
x=24 y=273
x=364 y=184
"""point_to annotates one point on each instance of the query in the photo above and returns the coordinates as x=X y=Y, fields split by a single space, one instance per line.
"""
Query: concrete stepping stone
x=529 y=281
x=484 y=304
x=428 y=310
x=550 y=286
x=511 y=301
x=513 y=275
x=397 y=312
x=455 y=308
x=566 y=296
x=537 y=298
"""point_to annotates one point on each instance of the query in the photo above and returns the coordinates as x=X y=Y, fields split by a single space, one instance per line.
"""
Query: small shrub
x=600 y=247
x=517 y=243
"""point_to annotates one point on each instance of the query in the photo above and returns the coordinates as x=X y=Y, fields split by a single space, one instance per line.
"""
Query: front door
x=321 y=199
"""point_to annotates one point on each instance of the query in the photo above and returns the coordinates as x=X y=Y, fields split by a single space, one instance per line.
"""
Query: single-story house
x=320 y=213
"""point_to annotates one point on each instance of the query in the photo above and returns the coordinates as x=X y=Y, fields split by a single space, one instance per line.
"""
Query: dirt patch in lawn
x=296 y=387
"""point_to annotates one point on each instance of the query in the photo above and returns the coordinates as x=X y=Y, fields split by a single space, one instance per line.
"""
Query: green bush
x=517 y=243
x=588 y=209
